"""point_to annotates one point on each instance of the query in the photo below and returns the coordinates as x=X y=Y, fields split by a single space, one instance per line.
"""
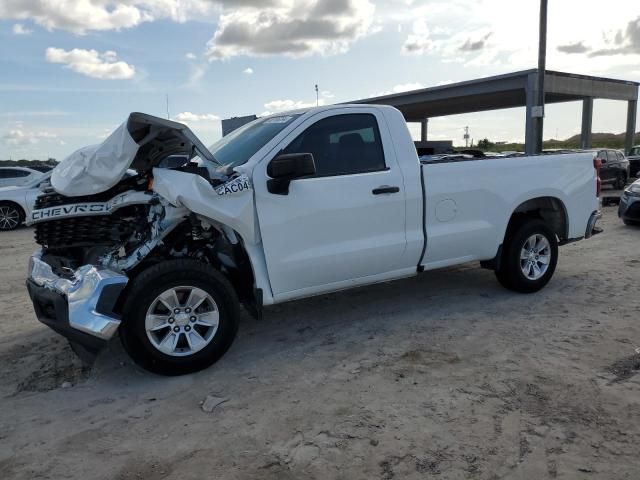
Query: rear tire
x=167 y=332
x=529 y=256
x=621 y=181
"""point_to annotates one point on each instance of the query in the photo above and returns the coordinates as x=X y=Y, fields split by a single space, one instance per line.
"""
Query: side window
x=342 y=145
x=21 y=173
x=603 y=155
x=3 y=173
x=10 y=173
x=620 y=156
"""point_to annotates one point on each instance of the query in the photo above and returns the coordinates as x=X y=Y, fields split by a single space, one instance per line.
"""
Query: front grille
x=84 y=231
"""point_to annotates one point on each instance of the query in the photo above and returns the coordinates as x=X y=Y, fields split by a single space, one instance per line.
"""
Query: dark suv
x=614 y=169
x=634 y=161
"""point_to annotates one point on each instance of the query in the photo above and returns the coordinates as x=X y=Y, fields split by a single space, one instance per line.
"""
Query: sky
x=72 y=70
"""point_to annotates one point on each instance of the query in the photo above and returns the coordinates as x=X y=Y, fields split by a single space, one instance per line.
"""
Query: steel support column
x=587 y=122
x=531 y=123
x=632 y=111
x=424 y=126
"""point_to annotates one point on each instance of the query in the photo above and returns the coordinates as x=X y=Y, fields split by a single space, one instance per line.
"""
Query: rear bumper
x=82 y=309
x=592 y=229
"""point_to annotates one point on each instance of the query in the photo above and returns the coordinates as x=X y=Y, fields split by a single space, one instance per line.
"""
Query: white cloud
x=82 y=16
x=91 y=63
x=275 y=106
x=190 y=56
x=248 y=71
x=294 y=28
x=188 y=117
x=20 y=137
x=402 y=87
x=485 y=33
x=419 y=41
x=20 y=29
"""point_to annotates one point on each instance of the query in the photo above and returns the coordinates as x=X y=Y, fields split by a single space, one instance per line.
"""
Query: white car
x=16 y=203
x=14 y=176
x=288 y=206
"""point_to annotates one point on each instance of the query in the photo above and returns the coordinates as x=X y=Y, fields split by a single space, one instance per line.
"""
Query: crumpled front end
x=110 y=212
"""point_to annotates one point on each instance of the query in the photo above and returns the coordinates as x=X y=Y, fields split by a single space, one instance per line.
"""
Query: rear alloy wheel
x=10 y=216
x=179 y=316
x=529 y=257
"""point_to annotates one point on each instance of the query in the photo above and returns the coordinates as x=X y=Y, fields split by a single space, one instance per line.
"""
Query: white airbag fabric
x=95 y=168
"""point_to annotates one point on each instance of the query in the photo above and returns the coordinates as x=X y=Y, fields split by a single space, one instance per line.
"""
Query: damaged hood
x=140 y=143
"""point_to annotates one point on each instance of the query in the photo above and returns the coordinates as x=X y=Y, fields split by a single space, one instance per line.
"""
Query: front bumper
x=629 y=208
x=82 y=309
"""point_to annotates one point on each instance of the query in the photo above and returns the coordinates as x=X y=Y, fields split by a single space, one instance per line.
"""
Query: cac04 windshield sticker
x=237 y=185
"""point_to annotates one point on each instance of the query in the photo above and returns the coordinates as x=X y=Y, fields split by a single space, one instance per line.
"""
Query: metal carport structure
x=517 y=89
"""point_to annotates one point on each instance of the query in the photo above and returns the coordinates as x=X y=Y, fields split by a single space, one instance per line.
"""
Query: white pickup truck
x=288 y=206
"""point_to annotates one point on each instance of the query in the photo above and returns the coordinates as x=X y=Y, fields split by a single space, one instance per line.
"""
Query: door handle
x=385 y=189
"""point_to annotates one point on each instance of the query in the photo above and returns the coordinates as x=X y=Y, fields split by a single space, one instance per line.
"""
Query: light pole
x=542 y=65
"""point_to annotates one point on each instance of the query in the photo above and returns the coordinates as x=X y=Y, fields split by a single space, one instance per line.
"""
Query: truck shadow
x=330 y=323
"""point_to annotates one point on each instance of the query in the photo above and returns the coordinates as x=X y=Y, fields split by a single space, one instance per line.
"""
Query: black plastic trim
x=424 y=220
x=52 y=309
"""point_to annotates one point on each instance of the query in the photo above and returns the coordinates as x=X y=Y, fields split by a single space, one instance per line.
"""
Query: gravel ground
x=446 y=375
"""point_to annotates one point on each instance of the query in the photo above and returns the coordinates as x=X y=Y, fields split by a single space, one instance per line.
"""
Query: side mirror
x=286 y=167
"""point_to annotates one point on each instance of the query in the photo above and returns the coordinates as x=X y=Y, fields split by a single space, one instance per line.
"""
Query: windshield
x=240 y=145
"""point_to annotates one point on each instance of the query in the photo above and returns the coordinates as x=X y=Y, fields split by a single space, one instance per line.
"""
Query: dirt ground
x=442 y=376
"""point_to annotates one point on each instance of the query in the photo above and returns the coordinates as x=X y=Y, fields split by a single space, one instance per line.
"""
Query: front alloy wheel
x=182 y=321
x=10 y=217
x=179 y=316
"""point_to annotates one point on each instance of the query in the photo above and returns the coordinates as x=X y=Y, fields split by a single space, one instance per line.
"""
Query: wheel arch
x=232 y=257
x=550 y=209
x=21 y=209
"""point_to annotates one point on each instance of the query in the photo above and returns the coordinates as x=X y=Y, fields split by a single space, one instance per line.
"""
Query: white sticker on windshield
x=237 y=185
x=278 y=119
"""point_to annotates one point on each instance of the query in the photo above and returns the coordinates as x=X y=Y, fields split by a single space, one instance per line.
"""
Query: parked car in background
x=41 y=168
x=11 y=176
x=614 y=168
x=16 y=203
x=634 y=161
x=629 y=209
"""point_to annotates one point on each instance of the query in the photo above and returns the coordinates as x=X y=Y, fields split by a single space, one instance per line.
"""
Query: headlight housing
x=633 y=190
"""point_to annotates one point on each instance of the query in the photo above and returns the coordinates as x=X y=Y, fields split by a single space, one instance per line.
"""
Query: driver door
x=344 y=224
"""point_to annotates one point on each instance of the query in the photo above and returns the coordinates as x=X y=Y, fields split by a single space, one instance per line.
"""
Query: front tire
x=11 y=216
x=529 y=256
x=180 y=316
